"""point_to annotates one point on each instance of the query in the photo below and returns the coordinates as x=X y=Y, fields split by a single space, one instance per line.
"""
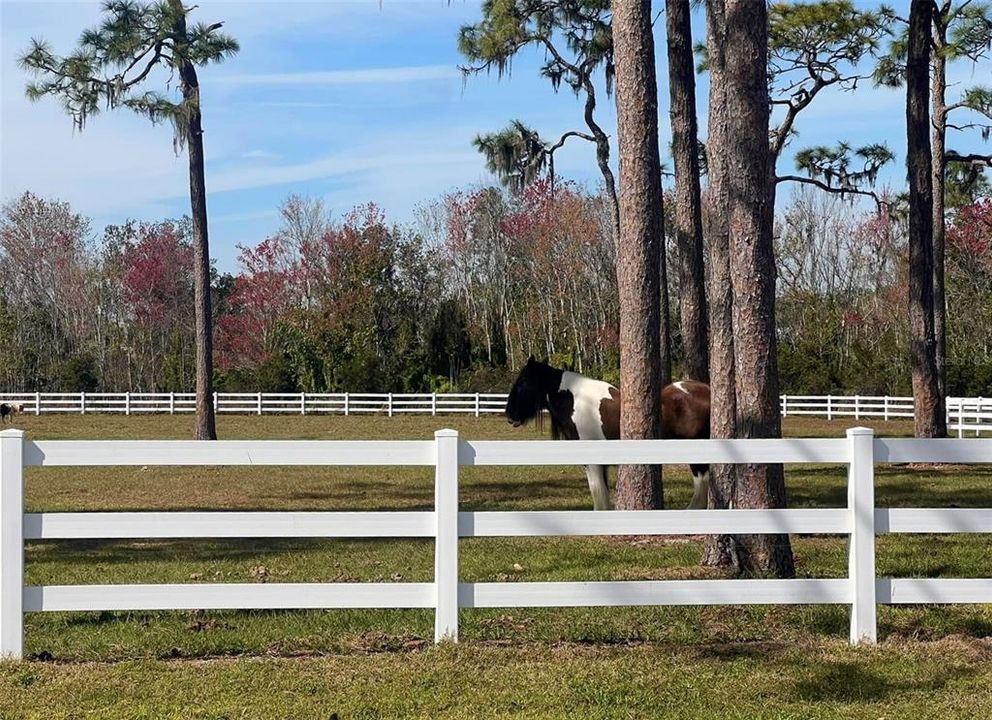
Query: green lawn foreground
x=582 y=662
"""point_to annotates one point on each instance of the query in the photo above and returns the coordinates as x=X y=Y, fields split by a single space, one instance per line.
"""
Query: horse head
x=528 y=396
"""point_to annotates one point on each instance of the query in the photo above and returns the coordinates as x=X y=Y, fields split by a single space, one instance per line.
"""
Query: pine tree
x=110 y=69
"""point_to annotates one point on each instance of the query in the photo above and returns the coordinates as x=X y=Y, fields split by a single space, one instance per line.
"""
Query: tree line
x=455 y=299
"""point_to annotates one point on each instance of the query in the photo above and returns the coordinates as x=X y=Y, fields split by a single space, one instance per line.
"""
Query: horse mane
x=535 y=402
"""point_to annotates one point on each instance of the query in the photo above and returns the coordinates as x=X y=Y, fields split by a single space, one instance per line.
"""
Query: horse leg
x=598 y=487
x=700 y=486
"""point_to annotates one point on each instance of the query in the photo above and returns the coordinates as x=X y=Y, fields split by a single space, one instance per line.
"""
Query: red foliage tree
x=262 y=296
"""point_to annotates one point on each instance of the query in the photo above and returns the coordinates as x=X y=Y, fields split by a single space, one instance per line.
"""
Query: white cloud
x=365 y=159
x=261 y=155
x=241 y=217
x=364 y=76
x=299 y=104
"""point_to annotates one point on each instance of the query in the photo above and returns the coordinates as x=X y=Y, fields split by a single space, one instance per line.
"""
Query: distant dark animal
x=585 y=409
x=9 y=410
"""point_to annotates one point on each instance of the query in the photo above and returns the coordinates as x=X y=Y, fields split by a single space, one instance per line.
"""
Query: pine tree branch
x=971 y=159
x=546 y=41
x=148 y=68
x=967 y=126
x=570 y=134
x=879 y=201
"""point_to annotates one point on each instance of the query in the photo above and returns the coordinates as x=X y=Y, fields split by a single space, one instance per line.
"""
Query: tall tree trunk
x=639 y=246
x=939 y=84
x=751 y=189
x=205 y=424
x=747 y=164
x=926 y=395
x=688 y=216
x=723 y=415
x=206 y=428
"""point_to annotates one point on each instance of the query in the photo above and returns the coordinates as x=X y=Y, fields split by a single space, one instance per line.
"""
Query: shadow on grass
x=851 y=682
x=831 y=622
x=126 y=552
x=895 y=486
x=761 y=651
x=932 y=622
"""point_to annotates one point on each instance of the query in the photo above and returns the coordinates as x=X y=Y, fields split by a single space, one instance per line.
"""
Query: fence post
x=389 y=408
x=434 y=403
x=446 y=539
x=861 y=548
x=857 y=407
x=953 y=421
x=127 y=403
x=346 y=404
x=259 y=403
x=978 y=416
x=82 y=403
x=37 y=403
x=215 y=402
x=172 y=403
x=885 y=407
x=830 y=414
x=11 y=544
x=477 y=404
x=303 y=403
x=785 y=406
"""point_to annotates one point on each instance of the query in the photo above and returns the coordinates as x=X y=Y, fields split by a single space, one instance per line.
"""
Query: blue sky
x=349 y=101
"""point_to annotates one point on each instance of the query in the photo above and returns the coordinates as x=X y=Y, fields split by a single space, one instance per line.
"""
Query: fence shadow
x=851 y=682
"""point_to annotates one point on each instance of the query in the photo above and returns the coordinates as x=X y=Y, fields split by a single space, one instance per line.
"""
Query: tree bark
x=751 y=191
x=638 y=247
x=205 y=424
x=926 y=394
x=939 y=92
x=665 y=336
x=746 y=175
x=723 y=413
x=687 y=215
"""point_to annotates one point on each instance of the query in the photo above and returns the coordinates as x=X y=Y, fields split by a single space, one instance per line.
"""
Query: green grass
x=950 y=679
x=587 y=662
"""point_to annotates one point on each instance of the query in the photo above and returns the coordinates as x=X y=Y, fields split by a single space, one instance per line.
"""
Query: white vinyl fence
x=861 y=590
x=963 y=414
x=134 y=403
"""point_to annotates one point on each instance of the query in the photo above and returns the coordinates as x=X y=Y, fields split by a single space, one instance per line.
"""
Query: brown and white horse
x=585 y=409
x=9 y=410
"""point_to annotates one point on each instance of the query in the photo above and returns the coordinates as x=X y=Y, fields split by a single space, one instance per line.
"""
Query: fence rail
x=861 y=521
x=963 y=414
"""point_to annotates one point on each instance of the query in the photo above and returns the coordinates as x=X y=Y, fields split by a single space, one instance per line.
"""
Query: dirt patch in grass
x=376 y=642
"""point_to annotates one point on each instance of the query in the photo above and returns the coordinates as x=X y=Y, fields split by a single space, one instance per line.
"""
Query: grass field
x=601 y=662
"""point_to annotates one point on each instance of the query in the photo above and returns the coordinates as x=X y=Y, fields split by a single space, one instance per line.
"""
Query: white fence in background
x=134 y=403
x=963 y=414
x=861 y=590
